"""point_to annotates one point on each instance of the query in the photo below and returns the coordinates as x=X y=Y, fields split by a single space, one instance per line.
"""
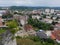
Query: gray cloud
x=30 y=2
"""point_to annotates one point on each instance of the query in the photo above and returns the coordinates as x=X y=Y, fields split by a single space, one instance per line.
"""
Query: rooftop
x=28 y=27
x=0 y=14
x=55 y=34
x=41 y=34
x=58 y=24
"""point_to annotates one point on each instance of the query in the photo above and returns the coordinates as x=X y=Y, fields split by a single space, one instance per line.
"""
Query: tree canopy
x=39 y=24
x=13 y=26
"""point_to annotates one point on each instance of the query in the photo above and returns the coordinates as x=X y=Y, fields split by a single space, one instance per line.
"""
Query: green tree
x=13 y=26
x=44 y=16
x=38 y=24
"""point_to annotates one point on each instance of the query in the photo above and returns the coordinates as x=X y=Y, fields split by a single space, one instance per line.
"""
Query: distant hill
x=30 y=8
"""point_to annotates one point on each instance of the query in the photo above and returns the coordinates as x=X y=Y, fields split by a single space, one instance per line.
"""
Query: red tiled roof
x=58 y=24
x=53 y=37
x=56 y=34
x=28 y=27
x=1 y=24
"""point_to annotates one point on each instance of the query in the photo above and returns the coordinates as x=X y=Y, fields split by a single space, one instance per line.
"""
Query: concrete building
x=23 y=20
x=48 y=17
x=52 y=11
x=2 y=23
x=16 y=16
x=28 y=27
x=47 y=10
x=36 y=16
x=47 y=20
x=2 y=11
x=54 y=18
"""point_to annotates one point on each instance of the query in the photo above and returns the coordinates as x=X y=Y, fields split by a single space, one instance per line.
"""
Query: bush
x=18 y=37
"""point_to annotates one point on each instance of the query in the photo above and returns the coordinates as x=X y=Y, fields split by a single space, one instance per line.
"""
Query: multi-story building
x=52 y=11
x=2 y=23
x=47 y=10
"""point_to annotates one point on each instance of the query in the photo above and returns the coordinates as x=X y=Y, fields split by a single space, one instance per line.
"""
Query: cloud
x=54 y=3
x=30 y=2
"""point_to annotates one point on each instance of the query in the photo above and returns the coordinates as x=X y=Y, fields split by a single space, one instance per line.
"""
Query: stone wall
x=7 y=38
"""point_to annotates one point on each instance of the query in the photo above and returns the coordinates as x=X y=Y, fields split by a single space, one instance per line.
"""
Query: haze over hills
x=29 y=7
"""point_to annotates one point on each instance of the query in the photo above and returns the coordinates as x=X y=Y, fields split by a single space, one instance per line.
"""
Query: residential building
x=52 y=11
x=56 y=35
x=57 y=26
x=22 y=33
x=2 y=11
x=2 y=23
x=36 y=17
x=28 y=27
x=47 y=10
x=42 y=34
x=54 y=18
x=16 y=16
x=48 y=33
x=47 y=20
x=48 y=17
x=23 y=20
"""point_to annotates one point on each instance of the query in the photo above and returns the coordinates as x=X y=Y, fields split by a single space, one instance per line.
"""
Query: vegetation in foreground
x=34 y=40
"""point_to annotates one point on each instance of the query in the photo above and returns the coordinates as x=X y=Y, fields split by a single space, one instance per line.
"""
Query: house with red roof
x=57 y=26
x=55 y=35
x=28 y=27
x=2 y=23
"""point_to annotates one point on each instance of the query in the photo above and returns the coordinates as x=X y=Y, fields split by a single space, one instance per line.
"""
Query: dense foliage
x=39 y=24
x=13 y=26
x=34 y=40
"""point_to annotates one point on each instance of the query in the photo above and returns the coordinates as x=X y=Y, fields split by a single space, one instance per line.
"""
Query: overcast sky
x=51 y=3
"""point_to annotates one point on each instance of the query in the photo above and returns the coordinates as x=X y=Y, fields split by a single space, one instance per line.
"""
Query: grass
x=33 y=40
x=2 y=31
x=25 y=42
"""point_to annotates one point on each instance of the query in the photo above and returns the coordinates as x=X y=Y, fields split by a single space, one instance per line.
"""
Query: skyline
x=47 y=3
